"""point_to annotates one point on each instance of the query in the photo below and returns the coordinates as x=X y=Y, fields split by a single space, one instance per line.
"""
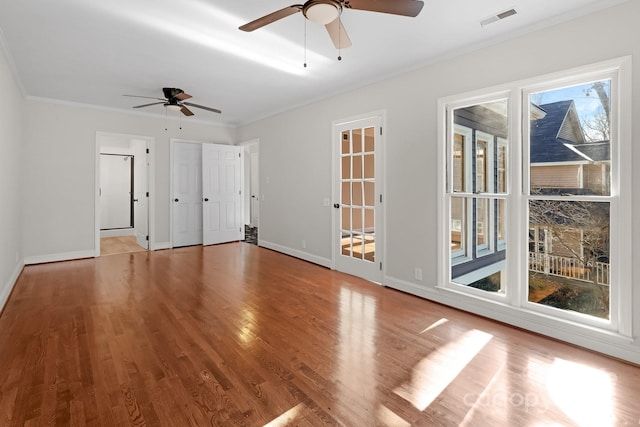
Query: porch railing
x=570 y=268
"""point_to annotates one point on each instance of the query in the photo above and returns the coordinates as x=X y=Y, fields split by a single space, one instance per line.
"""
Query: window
x=479 y=142
x=558 y=186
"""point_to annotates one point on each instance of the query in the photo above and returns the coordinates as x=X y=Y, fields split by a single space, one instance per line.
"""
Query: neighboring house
x=479 y=148
x=561 y=159
x=562 y=162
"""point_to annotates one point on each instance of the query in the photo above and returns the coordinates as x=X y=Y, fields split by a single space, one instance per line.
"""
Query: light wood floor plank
x=237 y=335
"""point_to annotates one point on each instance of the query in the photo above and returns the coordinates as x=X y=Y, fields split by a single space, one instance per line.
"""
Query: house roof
x=558 y=137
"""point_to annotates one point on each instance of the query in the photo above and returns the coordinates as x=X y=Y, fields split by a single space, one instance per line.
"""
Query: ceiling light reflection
x=204 y=24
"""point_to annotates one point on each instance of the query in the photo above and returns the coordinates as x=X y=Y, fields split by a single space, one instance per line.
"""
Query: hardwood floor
x=119 y=245
x=235 y=334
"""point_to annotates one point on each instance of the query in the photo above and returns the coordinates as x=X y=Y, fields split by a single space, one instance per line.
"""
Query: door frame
x=250 y=147
x=380 y=151
x=151 y=211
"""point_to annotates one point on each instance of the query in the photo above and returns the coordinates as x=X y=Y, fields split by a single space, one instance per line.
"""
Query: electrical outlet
x=418 y=273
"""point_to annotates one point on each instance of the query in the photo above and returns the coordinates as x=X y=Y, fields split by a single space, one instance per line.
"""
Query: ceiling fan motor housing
x=322 y=11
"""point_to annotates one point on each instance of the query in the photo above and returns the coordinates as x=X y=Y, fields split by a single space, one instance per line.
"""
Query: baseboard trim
x=41 y=259
x=296 y=253
x=601 y=341
x=118 y=232
x=8 y=287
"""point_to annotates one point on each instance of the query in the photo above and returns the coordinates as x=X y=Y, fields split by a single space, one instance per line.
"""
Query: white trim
x=610 y=337
x=606 y=342
x=134 y=112
x=325 y=262
x=11 y=283
x=66 y=256
x=117 y=232
x=380 y=116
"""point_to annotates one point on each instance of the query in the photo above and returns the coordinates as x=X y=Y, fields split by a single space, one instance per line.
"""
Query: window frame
x=514 y=296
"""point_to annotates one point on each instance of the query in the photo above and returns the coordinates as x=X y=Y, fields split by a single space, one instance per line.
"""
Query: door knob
x=176 y=200
x=135 y=200
x=206 y=199
x=336 y=205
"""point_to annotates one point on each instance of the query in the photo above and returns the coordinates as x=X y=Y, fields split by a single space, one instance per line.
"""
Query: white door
x=140 y=193
x=357 y=208
x=186 y=199
x=255 y=190
x=222 y=207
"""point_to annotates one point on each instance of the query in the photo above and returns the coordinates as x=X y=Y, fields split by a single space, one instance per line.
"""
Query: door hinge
x=147 y=238
x=380 y=266
x=240 y=192
x=147 y=194
x=147 y=151
x=380 y=198
x=380 y=130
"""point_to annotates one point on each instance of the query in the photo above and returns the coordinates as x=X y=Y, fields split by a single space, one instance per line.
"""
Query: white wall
x=295 y=148
x=11 y=155
x=59 y=179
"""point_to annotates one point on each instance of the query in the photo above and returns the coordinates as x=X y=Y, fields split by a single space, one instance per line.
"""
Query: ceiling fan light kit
x=322 y=12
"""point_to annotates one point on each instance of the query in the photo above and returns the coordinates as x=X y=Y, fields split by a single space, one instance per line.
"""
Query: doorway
x=207 y=193
x=123 y=195
x=251 y=190
x=358 y=177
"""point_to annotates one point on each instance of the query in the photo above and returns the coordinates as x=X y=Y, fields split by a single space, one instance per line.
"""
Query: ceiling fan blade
x=396 y=7
x=186 y=111
x=182 y=96
x=338 y=34
x=148 y=105
x=213 y=110
x=147 y=97
x=272 y=17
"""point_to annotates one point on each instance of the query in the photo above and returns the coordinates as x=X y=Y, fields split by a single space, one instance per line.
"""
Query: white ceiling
x=92 y=52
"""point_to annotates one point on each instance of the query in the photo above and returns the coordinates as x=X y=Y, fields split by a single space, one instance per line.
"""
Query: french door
x=358 y=205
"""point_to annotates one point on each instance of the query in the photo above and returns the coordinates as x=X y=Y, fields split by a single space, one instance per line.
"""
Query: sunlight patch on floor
x=286 y=418
x=583 y=393
x=387 y=417
x=435 y=325
x=433 y=374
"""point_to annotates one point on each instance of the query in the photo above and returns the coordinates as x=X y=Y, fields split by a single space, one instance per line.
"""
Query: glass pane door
x=357 y=183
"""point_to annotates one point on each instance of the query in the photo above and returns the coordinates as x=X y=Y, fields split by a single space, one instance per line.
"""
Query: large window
x=569 y=200
x=534 y=195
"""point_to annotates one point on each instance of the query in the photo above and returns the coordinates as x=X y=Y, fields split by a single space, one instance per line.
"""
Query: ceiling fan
x=327 y=12
x=174 y=99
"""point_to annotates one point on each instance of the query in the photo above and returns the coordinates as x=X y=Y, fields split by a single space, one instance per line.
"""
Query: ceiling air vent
x=497 y=17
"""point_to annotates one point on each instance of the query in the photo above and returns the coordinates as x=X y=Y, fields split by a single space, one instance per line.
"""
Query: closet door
x=222 y=205
x=187 y=194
